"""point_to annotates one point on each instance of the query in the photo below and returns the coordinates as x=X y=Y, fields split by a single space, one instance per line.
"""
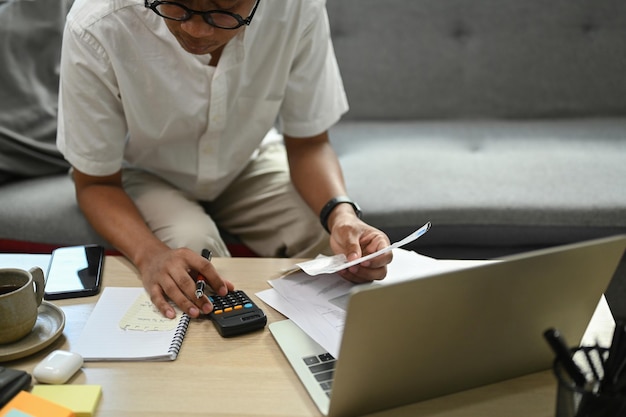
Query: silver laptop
x=414 y=340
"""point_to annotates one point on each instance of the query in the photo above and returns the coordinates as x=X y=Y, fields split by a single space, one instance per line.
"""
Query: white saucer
x=49 y=326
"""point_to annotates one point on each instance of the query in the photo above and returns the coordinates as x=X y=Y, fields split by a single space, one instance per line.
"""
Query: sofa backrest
x=30 y=50
x=432 y=59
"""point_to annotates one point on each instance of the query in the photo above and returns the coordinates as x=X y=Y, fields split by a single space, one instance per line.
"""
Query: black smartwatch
x=330 y=206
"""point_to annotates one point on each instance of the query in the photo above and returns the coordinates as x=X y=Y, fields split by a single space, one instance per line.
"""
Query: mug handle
x=40 y=283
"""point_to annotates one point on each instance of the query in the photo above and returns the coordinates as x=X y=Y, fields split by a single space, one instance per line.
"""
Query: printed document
x=318 y=303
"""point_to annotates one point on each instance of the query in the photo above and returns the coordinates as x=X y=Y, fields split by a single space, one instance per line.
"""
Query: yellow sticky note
x=144 y=316
x=81 y=399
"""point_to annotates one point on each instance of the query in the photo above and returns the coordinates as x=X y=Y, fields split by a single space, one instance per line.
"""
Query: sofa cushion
x=44 y=210
x=499 y=182
x=30 y=48
x=407 y=59
x=40 y=214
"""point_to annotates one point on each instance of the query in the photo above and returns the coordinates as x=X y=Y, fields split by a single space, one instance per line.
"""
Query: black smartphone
x=74 y=271
x=235 y=313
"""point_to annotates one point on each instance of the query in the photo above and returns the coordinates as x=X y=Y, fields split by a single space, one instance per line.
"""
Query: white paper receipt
x=332 y=264
x=144 y=316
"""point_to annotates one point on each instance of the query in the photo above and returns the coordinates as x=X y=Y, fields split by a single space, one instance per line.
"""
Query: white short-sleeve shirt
x=131 y=96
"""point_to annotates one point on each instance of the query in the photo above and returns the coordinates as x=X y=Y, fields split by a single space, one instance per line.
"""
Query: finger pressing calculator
x=235 y=313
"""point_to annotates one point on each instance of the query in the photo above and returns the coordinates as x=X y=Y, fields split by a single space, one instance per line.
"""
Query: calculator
x=235 y=313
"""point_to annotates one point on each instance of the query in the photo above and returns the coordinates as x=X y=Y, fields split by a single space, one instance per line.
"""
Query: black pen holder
x=590 y=400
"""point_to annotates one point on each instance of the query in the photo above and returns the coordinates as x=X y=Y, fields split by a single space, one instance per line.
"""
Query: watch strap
x=330 y=206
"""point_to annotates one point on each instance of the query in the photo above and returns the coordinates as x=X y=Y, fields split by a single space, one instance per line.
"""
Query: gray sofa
x=38 y=210
x=503 y=122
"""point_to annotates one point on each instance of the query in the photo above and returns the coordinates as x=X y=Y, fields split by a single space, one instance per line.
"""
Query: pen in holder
x=591 y=379
x=588 y=400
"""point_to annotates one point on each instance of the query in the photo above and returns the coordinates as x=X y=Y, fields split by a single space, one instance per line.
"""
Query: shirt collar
x=233 y=53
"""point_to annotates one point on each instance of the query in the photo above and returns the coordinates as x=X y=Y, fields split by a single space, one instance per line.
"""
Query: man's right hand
x=166 y=273
x=170 y=274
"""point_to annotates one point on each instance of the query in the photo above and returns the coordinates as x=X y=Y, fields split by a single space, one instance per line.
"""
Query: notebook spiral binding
x=179 y=336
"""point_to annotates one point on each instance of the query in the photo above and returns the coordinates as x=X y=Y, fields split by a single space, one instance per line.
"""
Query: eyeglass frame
x=206 y=15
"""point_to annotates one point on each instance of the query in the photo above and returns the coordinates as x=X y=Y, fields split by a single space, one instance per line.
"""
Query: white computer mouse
x=58 y=367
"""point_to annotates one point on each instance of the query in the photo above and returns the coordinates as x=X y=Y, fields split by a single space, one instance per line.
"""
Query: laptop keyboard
x=323 y=369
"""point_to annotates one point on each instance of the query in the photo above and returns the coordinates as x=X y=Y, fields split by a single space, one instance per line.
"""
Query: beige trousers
x=261 y=208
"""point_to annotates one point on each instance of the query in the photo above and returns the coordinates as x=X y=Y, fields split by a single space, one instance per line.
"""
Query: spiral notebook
x=126 y=326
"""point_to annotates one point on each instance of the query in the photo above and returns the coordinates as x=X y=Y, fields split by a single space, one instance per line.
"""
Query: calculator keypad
x=234 y=301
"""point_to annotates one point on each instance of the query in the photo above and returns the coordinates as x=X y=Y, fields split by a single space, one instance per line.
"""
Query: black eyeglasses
x=218 y=18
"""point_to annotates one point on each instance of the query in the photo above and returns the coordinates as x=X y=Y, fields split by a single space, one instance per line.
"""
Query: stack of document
x=317 y=303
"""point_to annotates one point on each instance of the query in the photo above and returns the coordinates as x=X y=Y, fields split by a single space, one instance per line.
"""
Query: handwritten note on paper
x=332 y=264
x=144 y=316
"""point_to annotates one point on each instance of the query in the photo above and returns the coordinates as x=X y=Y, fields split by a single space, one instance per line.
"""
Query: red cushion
x=19 y=246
